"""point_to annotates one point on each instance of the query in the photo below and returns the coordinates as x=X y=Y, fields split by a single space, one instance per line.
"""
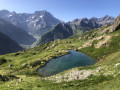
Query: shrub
x=2 y=61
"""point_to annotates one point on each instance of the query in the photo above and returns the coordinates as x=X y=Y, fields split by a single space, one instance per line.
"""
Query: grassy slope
x=28 y=61
x=24 y=64
x=94 y=82
x=98 y=53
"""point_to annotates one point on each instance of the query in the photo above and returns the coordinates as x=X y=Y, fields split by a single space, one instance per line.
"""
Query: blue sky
x=66 y=10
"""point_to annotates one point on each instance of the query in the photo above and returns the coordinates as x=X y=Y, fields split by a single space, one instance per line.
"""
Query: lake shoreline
x=76 y=59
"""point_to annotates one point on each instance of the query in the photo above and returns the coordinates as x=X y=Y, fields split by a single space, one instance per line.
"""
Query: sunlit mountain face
x=35 y=24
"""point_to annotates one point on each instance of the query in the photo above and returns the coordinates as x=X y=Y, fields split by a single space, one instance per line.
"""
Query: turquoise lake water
x=73 y=59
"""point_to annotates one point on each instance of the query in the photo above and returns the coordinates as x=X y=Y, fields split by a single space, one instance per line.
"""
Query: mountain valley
x=97 y=38
x=17 y=34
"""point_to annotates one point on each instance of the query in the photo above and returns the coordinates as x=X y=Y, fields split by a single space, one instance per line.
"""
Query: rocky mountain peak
x=86 y=24
x=42 y=13
x=3 y=12
x=107 y=17
x=35 y=24
x=106 y=20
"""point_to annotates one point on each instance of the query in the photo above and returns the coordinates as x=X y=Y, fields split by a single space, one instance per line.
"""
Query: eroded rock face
x=105 y=42
x=116 y=24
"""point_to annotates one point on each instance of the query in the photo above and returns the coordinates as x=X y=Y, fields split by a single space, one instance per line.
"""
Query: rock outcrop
x=116 y=24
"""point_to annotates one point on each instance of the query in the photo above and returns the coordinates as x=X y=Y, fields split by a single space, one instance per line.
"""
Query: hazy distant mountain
x=36 y=24
x=17 y=34
x=60 y=31
x=85 y=24
x=7 y=45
